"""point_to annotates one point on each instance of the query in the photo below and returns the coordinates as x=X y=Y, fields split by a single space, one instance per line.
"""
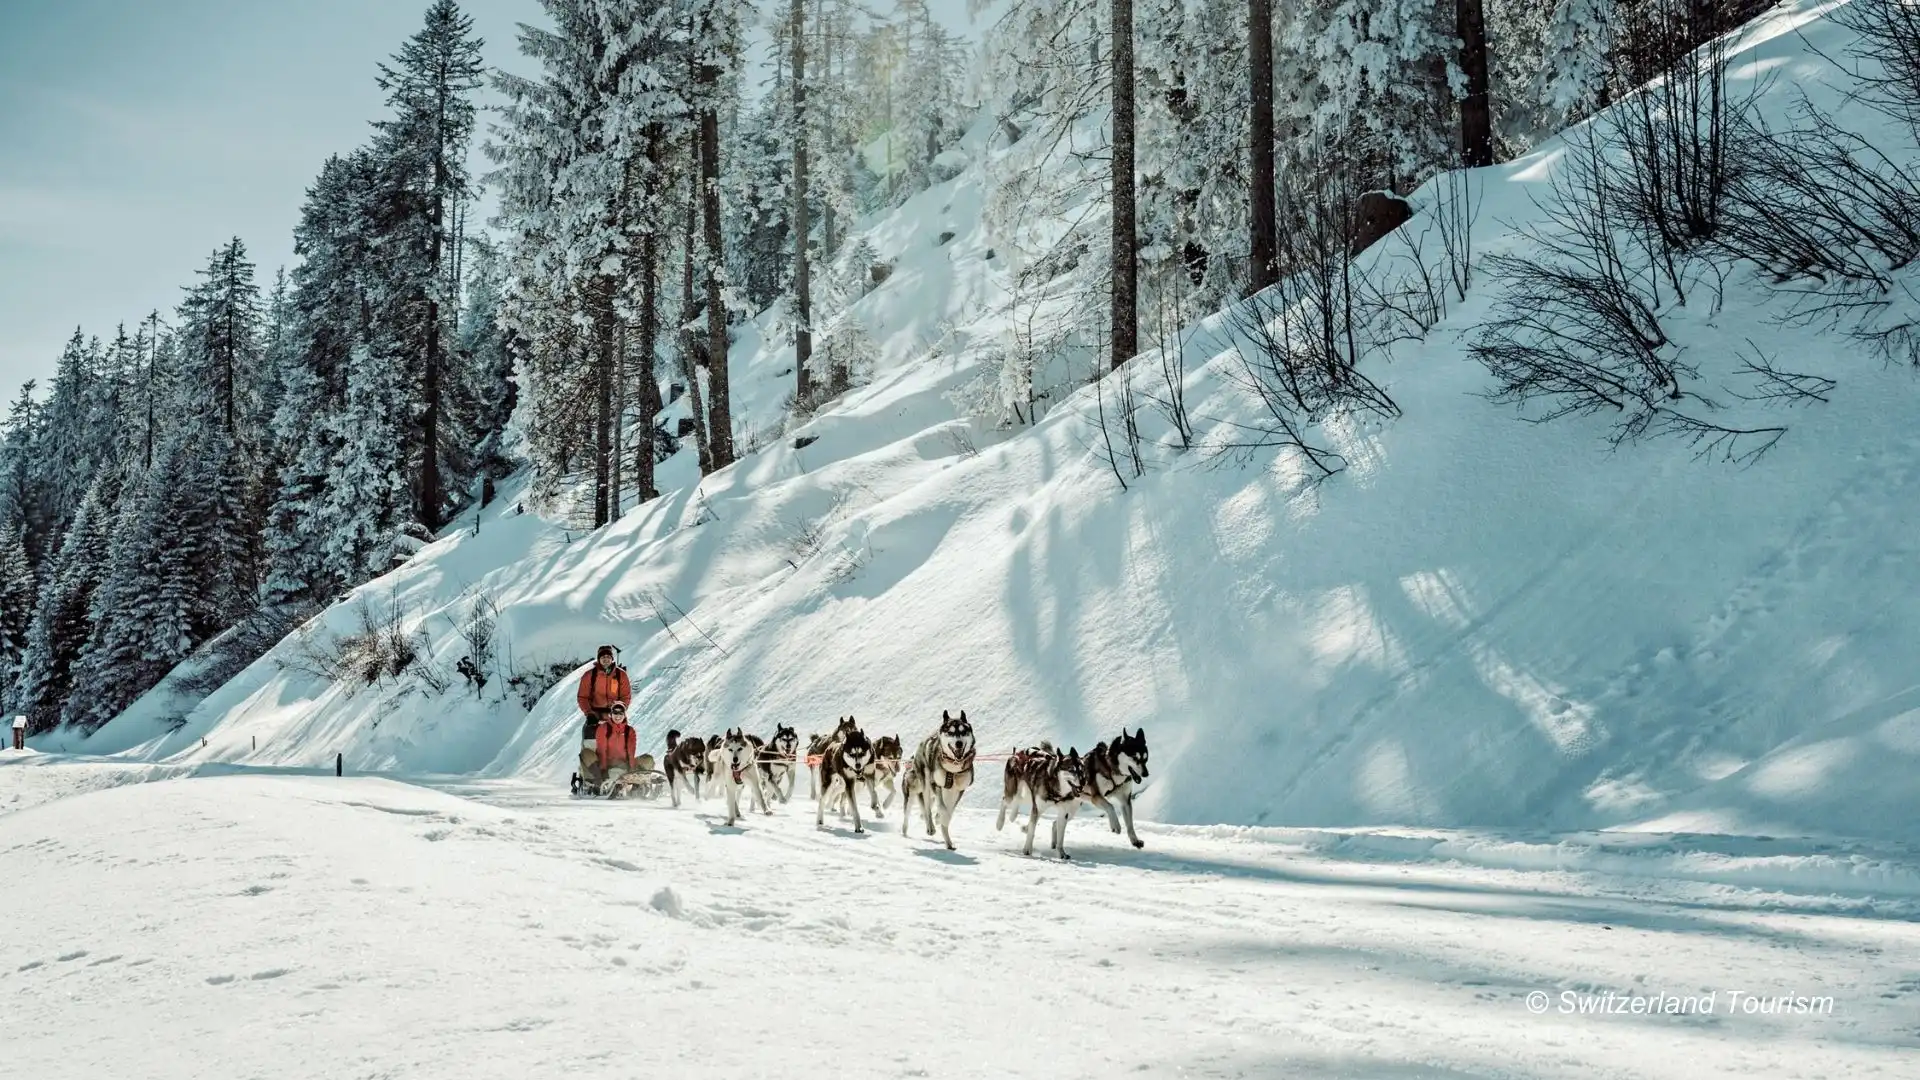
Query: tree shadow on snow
x=1671 y=915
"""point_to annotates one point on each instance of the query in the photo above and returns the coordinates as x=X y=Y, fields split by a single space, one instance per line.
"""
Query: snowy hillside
x=1482 y=622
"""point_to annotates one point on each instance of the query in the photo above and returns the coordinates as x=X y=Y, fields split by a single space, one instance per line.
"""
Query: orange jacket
x=597 y=690
x=615 y=741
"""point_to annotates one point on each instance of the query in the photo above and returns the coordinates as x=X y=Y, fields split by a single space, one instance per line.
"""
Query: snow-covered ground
x=289 y=926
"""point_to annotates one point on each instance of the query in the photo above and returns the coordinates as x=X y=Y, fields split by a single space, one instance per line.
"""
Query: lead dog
x=1047 y=782
x=777 y=758
x=686 y=763
x=1114 y=770
x=886 y=771
x=734 y=764
x=941 y=772
x=843 y=766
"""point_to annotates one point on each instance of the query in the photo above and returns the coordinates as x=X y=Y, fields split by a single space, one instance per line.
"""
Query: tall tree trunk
x=153 y=375
x=1261 y=271
x=430 y=482
x=621 y=374
x=828 y=241
x=602 y=311
x=1126 y=329
x=1476 y=119
x=649 y=381
x=689 y=344
x=719 y=401
x=802 y=275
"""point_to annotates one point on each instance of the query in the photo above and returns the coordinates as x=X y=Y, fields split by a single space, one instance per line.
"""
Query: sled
x=644 y=782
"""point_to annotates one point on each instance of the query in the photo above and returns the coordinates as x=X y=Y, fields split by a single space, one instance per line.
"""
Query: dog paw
x=1139 y=843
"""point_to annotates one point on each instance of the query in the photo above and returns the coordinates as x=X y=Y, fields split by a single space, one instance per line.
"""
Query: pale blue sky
x=135 y=136
x=138 y=135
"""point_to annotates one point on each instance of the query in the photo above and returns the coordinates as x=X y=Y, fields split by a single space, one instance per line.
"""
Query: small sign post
x=19 y=733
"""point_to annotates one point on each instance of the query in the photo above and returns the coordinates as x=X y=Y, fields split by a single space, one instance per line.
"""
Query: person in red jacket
x=604 y=683
x=615 y=742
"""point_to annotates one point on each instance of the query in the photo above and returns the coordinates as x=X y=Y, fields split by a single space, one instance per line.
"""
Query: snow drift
x=1481 y=622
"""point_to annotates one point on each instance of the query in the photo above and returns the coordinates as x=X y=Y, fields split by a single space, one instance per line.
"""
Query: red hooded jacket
x=615 y=741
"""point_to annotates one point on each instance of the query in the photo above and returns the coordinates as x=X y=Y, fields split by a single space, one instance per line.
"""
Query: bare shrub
x=1118 y=428
x=1300 y=343
x=1833 y=220
x=531 y=680
x=1578 y=328
x=234 y=651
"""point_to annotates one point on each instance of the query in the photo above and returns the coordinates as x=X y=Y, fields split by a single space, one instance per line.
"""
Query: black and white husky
x=885 y=772
x=1045 y=782
x=817 y=747
x=734 y=764
x=1115 y=770
x=778 y=758
x=940 y=773
x=686 y=764
x=844 y=766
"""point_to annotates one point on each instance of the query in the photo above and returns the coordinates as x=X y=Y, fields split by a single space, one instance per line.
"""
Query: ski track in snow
x=294 y=926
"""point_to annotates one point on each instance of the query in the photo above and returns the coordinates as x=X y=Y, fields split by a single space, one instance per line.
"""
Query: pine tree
x=17 y=589
x=368 y=502
x=62 y=621
x=20 y=497
x=429 y=86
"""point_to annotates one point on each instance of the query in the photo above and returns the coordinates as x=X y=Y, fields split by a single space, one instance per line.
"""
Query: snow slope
x=1481 y=623
x=311 y=927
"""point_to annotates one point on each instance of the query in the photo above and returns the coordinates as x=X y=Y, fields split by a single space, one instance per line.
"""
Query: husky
x=941 y=772
x=886 y=771
x=686 y=763
x=1047 y=782
x=733 y=763
x=843 y=767
x=776 y=759
x=817 y=746
x=886 y=768
x=1114 y=771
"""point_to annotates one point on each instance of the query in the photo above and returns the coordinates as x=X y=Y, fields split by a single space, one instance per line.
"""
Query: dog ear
x=963 y=714
x=1141 y=734
x=944 y=717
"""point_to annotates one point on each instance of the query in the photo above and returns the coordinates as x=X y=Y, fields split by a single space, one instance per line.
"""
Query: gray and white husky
x=1115 y=770
x=734 y=764
x=844 y=765
x=941 y=772
x=1046 y=782
x=778 y=757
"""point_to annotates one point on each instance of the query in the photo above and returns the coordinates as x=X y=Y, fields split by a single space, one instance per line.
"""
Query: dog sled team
x=752 y=772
